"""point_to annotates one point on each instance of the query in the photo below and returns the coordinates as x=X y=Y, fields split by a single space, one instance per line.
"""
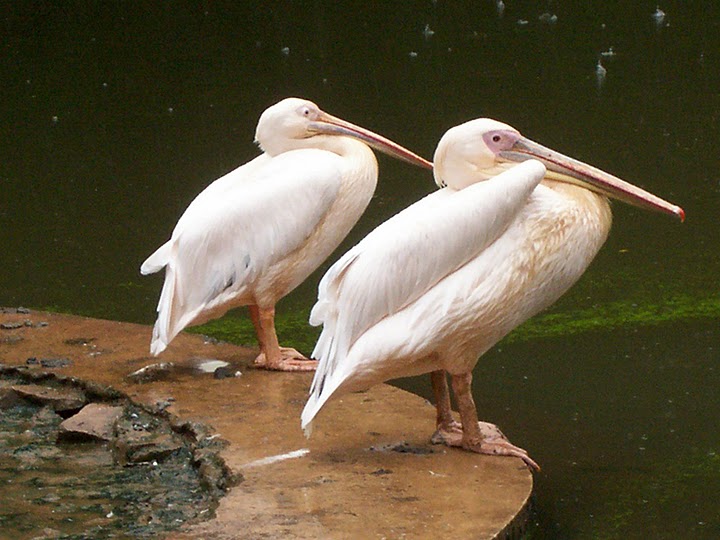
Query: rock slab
x=61 y=400
x=94 y=421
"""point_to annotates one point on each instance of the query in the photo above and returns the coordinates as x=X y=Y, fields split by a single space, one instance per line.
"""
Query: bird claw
x=502 y=448
x=290 y=360
x=493 y=442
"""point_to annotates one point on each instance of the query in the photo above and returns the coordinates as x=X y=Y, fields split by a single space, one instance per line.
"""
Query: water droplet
x=600 y=74
x=659 y=16
x=548 y=18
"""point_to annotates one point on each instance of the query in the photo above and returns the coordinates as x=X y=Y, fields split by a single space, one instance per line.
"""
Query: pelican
x=256 y=233
x=437 y=285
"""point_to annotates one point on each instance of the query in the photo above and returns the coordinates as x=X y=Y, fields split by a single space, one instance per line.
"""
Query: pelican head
x=483 y=148
x=298 y=123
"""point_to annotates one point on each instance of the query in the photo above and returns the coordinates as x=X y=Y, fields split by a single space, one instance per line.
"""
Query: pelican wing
x=405 y=256
x=235 y=229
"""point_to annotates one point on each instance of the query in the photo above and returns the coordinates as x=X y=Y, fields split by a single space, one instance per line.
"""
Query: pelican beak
x=567 y=169
x=332 y=125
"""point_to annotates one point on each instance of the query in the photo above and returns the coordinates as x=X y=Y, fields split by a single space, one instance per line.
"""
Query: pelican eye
x=308 y=112
x=500 y=139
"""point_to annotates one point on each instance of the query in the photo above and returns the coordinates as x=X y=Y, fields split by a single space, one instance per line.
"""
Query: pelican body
x=514 y=226
x=256 y=233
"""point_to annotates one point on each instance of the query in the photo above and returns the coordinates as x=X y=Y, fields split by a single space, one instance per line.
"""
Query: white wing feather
x=235 y=229
x=403 y=258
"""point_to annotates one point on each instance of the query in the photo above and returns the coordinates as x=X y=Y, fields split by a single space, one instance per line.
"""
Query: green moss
x=616 y=314
x=294 y=331
x=292 y=328
x=229 y=328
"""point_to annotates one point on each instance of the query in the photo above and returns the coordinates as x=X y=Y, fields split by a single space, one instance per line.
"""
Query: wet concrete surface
x=368 y=471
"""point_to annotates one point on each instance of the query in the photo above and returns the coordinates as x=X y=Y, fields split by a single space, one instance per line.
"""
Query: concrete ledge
x=367 y=472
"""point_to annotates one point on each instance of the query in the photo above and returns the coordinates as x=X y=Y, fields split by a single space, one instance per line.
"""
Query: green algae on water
x=294 y=330
x=614 y=315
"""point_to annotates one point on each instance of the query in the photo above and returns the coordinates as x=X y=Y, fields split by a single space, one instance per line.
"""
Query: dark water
x=116 y=114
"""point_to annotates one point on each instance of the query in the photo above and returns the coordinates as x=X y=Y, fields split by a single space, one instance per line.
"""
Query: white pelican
x=437 y=285
x=255 y=234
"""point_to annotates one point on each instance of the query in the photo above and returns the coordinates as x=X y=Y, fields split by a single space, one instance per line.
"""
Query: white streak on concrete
x=280 y=457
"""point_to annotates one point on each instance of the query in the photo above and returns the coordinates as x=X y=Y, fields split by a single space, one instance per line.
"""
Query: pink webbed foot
x=289 y=360
x=492 y=442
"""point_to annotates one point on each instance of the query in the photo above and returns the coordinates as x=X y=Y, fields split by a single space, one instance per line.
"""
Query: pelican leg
x=445 y=423
x=480 y=437
x=272 y=356
x=255 y=318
